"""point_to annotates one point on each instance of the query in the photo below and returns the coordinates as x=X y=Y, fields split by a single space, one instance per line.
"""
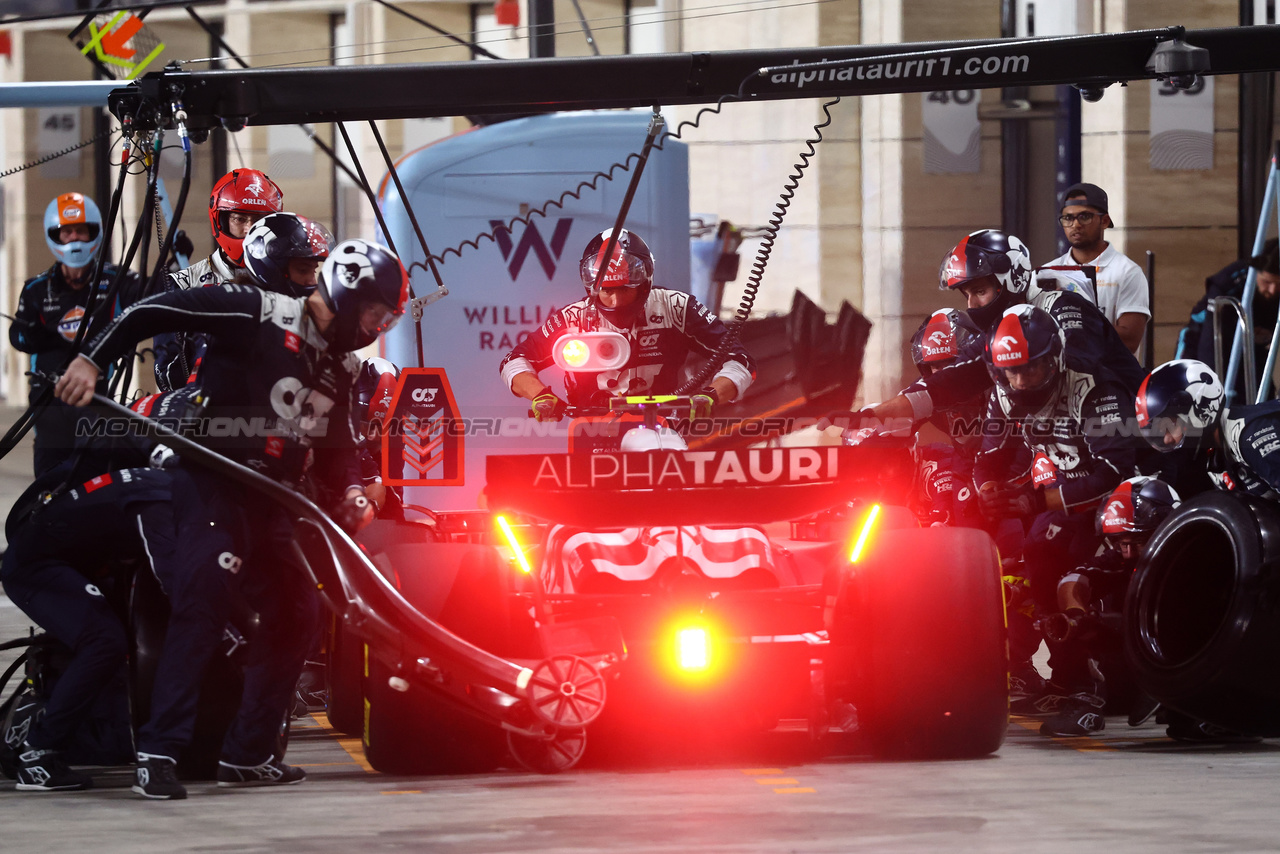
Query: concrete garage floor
x=1125 y=790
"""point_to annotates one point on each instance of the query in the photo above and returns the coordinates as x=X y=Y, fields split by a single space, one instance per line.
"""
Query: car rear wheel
x=923 y=612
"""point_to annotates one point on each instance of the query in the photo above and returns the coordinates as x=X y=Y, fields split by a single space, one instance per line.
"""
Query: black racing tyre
x=418 y=732
x=924 y=614
x=344 y=670
x=1202 y=630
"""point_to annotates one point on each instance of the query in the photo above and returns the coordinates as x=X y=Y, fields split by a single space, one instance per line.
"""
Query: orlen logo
x=1008 y=346
x=1117 y=516
x=531 y=240
x=1043 y=470
x=955 y=267
x=423 y=395
x=939 y=340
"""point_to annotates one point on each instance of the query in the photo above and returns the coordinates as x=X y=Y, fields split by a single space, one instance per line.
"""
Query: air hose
x=734 y=334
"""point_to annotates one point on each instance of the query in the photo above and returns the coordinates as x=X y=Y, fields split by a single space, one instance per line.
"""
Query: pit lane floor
x=1124 y=790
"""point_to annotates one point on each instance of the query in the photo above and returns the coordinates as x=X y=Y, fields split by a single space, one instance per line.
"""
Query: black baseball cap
x=1269 y=260
x=1093 y=196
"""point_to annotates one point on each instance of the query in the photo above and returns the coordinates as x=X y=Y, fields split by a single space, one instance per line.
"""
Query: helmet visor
x=624 y=271
x=376 y=318
x=967 y=262
x=1167 y=434
x=1032 y=384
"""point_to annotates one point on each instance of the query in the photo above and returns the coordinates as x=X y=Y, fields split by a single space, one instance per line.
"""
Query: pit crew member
x=1180 y=406
x=60 y=539
x=946 y=469
x=1091 y=601
x=662 y=326
x=375 y=386
x=992 y=270
x=51 y=307
x=282 y=254
x=238 y=200
x=1073 y=424
x=288 y=363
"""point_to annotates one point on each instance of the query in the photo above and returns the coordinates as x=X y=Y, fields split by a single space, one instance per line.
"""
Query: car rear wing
x=745 y=486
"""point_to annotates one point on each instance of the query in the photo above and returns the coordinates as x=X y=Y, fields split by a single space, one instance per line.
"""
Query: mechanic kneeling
x=1091 y=604
x=1071 y=422
x=290 y=358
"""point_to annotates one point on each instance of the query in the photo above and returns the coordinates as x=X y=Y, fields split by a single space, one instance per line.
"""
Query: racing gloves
x=1002 y=501
x=354 y=512
x=547 y=407
x=701 y=404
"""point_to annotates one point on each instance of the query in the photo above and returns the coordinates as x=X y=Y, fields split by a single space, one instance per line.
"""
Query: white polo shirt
x=1122 y=286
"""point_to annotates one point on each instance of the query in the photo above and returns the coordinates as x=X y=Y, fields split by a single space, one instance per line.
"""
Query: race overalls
x=45 y=325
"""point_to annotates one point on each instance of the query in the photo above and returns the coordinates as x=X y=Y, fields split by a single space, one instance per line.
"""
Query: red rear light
x=693 y=648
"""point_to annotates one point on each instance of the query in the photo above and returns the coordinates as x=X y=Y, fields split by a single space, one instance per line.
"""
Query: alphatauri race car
x=669 y=592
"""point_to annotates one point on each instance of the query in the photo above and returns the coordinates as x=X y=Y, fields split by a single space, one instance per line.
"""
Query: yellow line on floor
x=777 y=781
x=760 y=772
x=321 y=764
x=400 y=792
x=352 y=745
x=795 y=790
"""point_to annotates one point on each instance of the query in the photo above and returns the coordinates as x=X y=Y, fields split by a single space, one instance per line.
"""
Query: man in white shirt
x=1121 y=287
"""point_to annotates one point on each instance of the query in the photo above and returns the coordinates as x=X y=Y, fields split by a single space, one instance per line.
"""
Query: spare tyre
x=1202 y=630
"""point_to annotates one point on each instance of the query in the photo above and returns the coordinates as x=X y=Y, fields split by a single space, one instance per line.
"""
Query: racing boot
x=156 y=778
x=1079 y=715
x=1187 y=729
x=46 y=771
x=273 y=772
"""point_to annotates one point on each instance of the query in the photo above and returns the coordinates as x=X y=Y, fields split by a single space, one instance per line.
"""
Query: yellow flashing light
x=575 y=352
x=510 y=537
x=867 y=525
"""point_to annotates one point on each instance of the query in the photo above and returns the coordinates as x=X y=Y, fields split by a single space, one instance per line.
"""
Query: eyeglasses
x=1082 y=218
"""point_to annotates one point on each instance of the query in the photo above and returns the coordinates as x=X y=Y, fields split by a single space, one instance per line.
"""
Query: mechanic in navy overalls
x=281 y=371
x=238 y=200
x=50 y=309
x=1078 y=429
x=282 y=253
x=1180 y=409
x=945 y=470
x=992 y=270
x=662 y=325
x=62 y=533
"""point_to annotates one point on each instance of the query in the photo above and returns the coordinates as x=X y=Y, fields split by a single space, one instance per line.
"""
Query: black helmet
x=1136 y=506
x=630 y=267
x=1025 y=355
x=945 y=336
x=1177 y=402
x=375 y=386
x=988 y=253
x=365 y=286
x=277 y=238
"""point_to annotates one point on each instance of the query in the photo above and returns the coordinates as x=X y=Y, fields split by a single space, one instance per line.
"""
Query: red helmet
x=245 y=190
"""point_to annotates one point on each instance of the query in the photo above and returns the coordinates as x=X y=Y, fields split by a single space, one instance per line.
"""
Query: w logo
x=531 y=240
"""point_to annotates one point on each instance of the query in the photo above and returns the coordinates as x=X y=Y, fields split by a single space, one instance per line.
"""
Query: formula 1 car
x=669 y=591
